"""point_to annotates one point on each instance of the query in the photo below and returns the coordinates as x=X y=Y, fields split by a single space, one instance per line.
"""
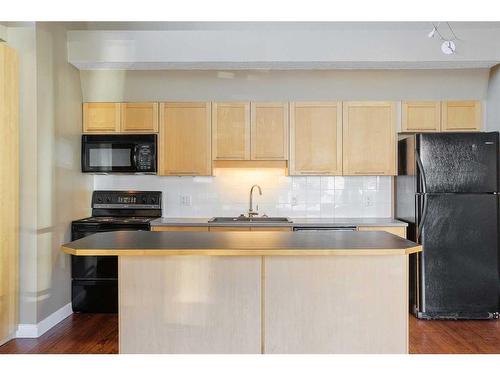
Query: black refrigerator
x=447 y=191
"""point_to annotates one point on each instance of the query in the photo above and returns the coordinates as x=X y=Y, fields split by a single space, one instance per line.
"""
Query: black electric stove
x=94 y=284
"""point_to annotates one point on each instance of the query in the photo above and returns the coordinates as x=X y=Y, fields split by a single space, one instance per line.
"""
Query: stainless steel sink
x=246 y=219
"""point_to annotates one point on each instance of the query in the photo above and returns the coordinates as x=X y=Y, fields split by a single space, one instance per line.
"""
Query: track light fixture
x=448 y=46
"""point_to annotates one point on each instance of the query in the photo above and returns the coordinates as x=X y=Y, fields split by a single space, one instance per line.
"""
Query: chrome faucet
x=251 y=212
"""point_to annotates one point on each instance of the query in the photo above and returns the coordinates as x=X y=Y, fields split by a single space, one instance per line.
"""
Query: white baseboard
x=36 y=330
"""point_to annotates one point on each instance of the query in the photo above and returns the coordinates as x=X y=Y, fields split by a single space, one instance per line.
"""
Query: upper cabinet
x=418 y=116
x=105 y=118
x=185 y=137
x=436 y=116
x=139 y=117
x=369 y=138
x=269 y=131
x=231 y=131
x=101 y=117
x=250 y=131
x=460 y=116
x=315 y=138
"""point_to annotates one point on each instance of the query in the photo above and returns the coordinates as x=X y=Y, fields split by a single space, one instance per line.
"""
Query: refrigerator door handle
x=424 y=191
x=422 y=172
x=422 y=218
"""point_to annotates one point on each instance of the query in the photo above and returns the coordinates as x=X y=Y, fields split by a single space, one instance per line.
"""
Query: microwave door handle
x=133 y=157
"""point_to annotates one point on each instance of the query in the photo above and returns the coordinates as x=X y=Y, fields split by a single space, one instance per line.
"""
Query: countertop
x=296 y=222
x=241 y=243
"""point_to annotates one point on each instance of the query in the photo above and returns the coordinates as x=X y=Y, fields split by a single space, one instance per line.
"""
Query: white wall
x=63 y=192
x=53 y=190
x=22 y=38
x=128 y=85
x=493 y=101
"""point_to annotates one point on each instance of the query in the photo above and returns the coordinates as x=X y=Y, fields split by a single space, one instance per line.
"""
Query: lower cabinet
x=271 y=229
x=219 y=229
x=229 y=229
x=253 y=229
x=398 y=231
x=179 y=229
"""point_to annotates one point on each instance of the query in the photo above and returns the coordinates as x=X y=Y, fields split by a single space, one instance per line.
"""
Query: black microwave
x=134 y=153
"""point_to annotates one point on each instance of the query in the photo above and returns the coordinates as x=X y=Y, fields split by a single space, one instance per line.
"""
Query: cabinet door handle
x=371 y=172
x=316 y=172
x=182 y=173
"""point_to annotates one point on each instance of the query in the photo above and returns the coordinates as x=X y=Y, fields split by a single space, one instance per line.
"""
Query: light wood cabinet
x=398 y=231
x=229 y=229
x=419 y=116
x=271 y=229
x=185 y=138
x=315 y=138
x=231 y=131
x=101 y=118
x=116 y=118
x=369 y=138
x=179 y=229
x=269 y=131
x=460 y=116
x=139 y=117
x=9 y=191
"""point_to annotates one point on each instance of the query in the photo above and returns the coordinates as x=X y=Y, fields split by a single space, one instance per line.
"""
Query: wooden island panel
x=341 y=305
x=192 y=305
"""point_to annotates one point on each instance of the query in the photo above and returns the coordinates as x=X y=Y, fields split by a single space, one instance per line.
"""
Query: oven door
x=97 y=267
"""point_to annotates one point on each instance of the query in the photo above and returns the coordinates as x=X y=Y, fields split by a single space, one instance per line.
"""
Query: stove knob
x=144 y=200
x=153 y=200
x=108 y=200
x=99 y=200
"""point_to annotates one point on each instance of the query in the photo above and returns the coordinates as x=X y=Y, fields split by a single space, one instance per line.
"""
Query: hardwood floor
x=98 y=334
x=77 y=334
x=454 y=337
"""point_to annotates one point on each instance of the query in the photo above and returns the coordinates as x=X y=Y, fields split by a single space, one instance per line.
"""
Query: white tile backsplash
x=226 y=194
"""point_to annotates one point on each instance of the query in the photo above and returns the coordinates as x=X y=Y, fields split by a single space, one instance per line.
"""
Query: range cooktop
x=116 y=220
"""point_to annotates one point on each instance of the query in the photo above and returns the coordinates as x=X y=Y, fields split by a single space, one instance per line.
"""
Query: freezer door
x=458 y=268
x=458 y=162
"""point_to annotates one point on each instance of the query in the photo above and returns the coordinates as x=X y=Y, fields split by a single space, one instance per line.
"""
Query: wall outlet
x=294 y=201
x=185 y=200
x=368 y=200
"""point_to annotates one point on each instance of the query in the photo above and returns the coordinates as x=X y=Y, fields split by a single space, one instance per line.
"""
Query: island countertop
x=241 y=243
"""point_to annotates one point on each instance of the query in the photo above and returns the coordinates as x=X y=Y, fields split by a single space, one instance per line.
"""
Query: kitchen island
x=258 y=292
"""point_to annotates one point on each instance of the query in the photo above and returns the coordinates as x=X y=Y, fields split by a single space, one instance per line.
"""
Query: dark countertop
x=241 y=243
x=296 y=222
